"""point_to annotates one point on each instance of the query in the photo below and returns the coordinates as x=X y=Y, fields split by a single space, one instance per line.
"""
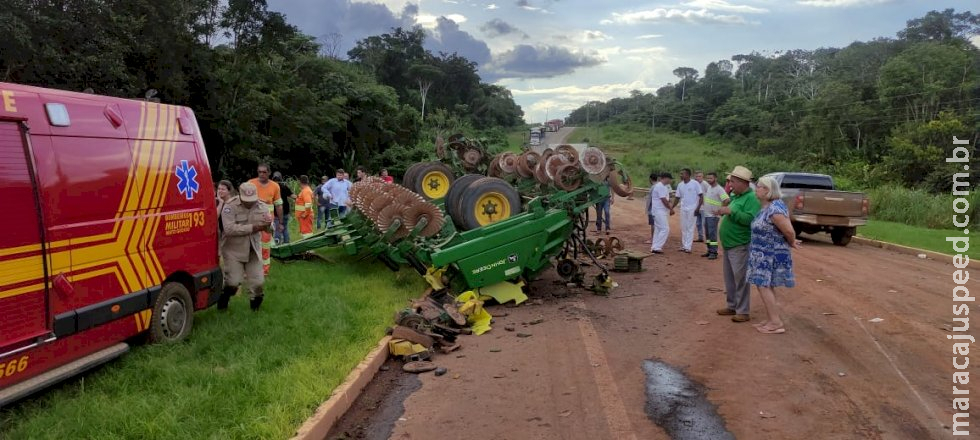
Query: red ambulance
x=110 y=231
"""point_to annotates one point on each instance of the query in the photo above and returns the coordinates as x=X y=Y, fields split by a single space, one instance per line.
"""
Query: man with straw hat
x=735 y=234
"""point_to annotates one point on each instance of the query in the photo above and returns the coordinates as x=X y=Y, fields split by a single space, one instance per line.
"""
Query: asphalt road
x=550 y=138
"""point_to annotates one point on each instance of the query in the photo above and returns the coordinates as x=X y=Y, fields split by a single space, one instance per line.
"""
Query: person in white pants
x=689 y=196
x=661 y=211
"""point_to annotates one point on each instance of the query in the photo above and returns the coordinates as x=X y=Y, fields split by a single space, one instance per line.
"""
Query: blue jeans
x=322 y=211
x=711 y=232
x=341 y=211
x=602 y=210
x=700 y=226
x=281 y=237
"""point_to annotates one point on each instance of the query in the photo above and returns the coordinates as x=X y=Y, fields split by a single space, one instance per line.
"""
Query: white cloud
x=610 y=52
x=699 y=16
x=595 y=36
x=648 y=36
x=431 y=21
x=491 y=6
x=841 y=3
x=554 y=100
x=975 y=40
x=722 y=5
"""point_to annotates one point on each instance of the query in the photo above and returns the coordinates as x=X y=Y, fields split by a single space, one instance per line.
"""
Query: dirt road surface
x=579 y=375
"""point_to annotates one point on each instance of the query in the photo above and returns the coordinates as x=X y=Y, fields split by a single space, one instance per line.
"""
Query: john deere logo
x=488 y=267
x=512 y=258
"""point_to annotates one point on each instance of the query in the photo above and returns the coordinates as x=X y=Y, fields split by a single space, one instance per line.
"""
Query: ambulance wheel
x=488 y=200
x=173 y=314
x=432 y=180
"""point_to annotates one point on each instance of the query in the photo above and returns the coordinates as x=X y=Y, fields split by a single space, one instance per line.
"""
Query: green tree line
x=877 y=112
x=261 y=89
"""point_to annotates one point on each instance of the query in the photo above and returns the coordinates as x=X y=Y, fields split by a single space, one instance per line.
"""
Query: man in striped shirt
x=714 y=198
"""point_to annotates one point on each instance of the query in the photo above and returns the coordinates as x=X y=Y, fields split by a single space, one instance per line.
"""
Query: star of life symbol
x=187 y=180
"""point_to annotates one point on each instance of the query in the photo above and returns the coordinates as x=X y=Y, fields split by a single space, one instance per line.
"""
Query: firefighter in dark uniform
x=243 y=219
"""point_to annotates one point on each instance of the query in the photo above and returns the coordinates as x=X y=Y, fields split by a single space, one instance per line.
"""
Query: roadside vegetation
x=914 y=236
x=240 y=374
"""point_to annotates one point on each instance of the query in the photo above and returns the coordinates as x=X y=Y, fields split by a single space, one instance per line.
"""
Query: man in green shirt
x=736 y=233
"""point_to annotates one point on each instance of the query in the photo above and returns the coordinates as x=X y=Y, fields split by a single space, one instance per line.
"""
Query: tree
x=425 y=75
x=685 y=74
x=941 y=26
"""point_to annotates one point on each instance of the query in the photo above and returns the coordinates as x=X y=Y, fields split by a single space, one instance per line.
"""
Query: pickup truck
x=814 y=206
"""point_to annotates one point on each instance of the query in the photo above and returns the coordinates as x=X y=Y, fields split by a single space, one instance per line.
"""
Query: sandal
x=774 y=331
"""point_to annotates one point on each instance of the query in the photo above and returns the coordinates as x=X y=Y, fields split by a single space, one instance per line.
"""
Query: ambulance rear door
x=24 y=306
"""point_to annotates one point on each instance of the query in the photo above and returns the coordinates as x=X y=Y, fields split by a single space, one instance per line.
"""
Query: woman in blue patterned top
x=770 y=261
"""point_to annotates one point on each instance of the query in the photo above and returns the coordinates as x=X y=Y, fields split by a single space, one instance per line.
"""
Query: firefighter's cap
x=247 y=192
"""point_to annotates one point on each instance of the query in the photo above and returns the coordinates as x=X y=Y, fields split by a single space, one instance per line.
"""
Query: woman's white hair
x=770 y=183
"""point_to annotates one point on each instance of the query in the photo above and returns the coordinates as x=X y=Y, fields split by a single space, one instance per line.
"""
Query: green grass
x=240 y=374
x=914 y=236
x=516 y=139
x=918 y=207
x=643 y=151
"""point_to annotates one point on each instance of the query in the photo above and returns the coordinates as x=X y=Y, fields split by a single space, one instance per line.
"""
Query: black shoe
x=226 y=295
x=700 y=240
x=706 y=254
x=254 y=303
x=713 y=257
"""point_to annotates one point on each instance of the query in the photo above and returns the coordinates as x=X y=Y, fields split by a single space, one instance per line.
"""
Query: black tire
x=841 y=236
x=505 y=203
x=456 y=191
x=436 y=187
x=798 y=230
x=410 y=174
x=173 y=314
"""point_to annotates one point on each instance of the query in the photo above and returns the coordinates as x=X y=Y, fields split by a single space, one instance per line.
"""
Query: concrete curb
x=328 y=413
x=909 y=250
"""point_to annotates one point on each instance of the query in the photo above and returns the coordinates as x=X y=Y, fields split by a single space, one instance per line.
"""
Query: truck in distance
x=815 y=205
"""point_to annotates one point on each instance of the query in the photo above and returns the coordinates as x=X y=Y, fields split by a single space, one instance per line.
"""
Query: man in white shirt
x=699 y=177
x=661 y=211
x=690 y=197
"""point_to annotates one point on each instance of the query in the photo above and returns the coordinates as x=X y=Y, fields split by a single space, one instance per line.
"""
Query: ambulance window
x=57 y=114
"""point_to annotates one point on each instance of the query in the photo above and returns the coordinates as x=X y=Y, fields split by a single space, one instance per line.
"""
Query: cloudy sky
x=555 y=55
